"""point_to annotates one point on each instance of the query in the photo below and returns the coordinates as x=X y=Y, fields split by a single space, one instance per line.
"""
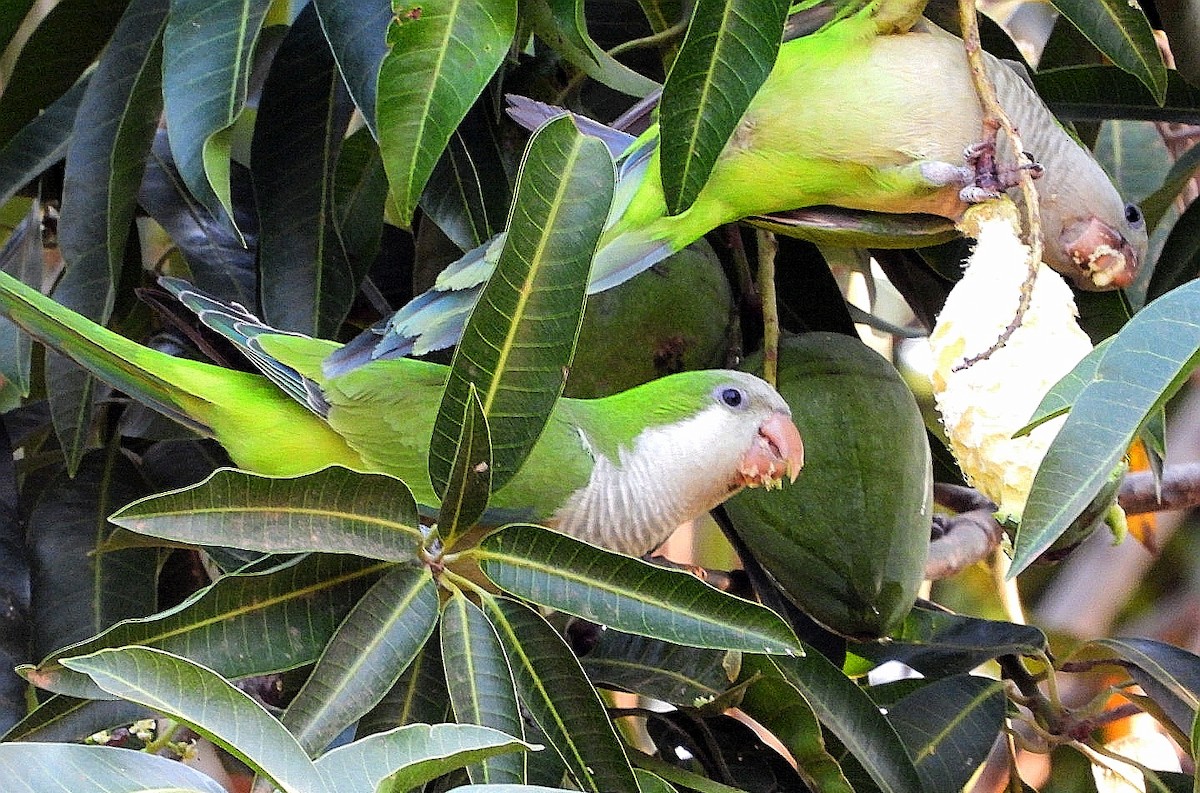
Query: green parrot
x=620 y=472
x=847 y=118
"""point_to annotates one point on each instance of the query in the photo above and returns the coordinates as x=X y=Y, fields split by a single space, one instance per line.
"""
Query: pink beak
x=1105 y=257
x=778 y=450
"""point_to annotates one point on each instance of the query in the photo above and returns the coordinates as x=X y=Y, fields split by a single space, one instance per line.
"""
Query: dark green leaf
x=364 y=659
x=467 y=491
x=1092 y=93
x=64 y=44
x=1123 y=34
x=12 y=14
x=480 y=684
x=938 y=644
x=360 y=190
x=563 y=573
x=357 y=34
x=419 y=696
x=196 y=696
x=442 y=56
x=561 y=24
x=67 y=719
x=40 y=143
x=21 y=258
x=39 y=767
x=1146 y=363
x=1179 y=261
x=517 y=346
x=562 y=702
x=1169 y=674
x=726 y=56
x=656 y=669
x=849 y=714
x=333 y=510
x=281 y=618
x=949 y=726
x=298 y=131
x=207 y=50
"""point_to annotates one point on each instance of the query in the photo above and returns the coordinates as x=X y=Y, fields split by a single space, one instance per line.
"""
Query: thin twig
x=767 y=248
x=994 y=119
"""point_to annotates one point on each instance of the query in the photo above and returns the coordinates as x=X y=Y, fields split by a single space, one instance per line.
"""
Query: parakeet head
x=1092 y=237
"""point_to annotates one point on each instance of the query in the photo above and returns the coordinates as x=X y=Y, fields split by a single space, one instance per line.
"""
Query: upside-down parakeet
x=621 y=472
x=847 y=118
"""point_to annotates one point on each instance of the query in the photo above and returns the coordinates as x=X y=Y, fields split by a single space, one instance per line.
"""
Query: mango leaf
x=334 y=510
x=938 y=644
x=563 y=573
x=1179 y=261
x=1145 y=365
x=949 y=726
x=210 y=705
x=653 y=668
x=518 y=344
x=357 y=34
x=302 y=118
x=480 y=684
x=467 y=491
x=207 y=50
x=38 y=767
x=105 y=160
x=61 y=718
x=40 y=143
x=59 y=50
x=1092 y=93
x=848 y=713
x=726 y=56
x=442 y=55
x=374 y=644
x=21 y=257
x=780 y=707
x=408 y=757
x=561 y=700
x=283 y=617
x=1123 y=34
x=562 y=25
x=419 y=696
x=1062 y=395
x=1168 y=674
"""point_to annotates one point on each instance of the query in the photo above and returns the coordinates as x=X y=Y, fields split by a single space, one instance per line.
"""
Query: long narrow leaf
x=1123 y=34
x=38 y=767
x=470 y=481
x=519 y=341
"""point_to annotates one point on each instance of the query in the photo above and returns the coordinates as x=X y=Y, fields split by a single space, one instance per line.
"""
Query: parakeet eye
x=1133 y=215
x=732 y=397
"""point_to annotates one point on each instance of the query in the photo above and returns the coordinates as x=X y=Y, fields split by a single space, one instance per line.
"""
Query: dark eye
x=732 y=397
x=1133 y=215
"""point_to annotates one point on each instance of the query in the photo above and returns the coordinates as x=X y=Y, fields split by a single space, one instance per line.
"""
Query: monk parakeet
x=849 y=119
x=621 y=472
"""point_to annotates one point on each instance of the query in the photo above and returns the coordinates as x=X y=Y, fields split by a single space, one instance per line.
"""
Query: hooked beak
x=777 y=451
x=1106 y=258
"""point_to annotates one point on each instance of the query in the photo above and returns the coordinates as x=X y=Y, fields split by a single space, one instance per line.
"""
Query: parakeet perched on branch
x=621 y=472
x=847 y=118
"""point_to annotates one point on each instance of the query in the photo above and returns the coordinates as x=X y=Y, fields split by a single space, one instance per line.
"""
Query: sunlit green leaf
x=39 y=767
x=1122 y=33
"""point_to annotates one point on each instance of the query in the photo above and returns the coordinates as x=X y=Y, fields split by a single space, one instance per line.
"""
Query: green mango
x=671 y=318
x=847 y=541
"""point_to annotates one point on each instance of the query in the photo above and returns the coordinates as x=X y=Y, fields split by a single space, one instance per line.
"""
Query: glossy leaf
x=470 y=481
x=21 y=257
x=1145 y=364
x=561 y=700
x=282 y=618
x=656 y=669
x=39 y=767
x=65 y=42
x=1092 y=93
x=480 y=684
x=40 y=143
x=1123 y=34
x=442 y=55
x=418 y=696
x=408 y=757
x=333 y=510
x=207 y=49
x=357 y=34
x=563 y=573
x=949 y=727
x=374 y=644
x=122 y=104
x=61 y=718
x=561 y=24
x=519 y=341
x=302 y=118
x=196 y=696
x=726 y=56
x=847 y=712
x=938 y=643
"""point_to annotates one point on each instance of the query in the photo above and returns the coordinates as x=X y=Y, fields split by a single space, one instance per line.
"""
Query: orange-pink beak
x=1104 y=256
x=777 y=451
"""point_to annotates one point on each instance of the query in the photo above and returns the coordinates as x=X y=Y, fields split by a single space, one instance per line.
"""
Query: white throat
x=672 y=473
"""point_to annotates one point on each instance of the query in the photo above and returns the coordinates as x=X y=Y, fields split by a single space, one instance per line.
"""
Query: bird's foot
x=988 y=179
